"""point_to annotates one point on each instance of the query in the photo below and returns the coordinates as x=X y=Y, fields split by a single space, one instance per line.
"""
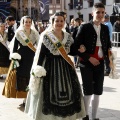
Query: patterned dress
x=59 y=96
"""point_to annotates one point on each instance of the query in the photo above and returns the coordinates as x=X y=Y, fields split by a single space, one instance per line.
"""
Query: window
x=50 y=1
x=91 y=2
x=70 y=4
x=70 y=17
x=117 y=1
x=103 y=1
x=90 y=16
x=57 y=10
x=58 y=1
x=51 y=11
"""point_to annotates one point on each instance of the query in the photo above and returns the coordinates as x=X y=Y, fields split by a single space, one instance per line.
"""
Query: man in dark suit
x=77 y=23
x=12 y=26
x=94 y=38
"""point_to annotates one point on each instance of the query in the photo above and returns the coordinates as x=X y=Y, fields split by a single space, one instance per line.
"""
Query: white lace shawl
x=66 y=42
x=33 y=37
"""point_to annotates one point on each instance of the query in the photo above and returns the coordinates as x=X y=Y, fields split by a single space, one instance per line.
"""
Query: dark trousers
x=107 y=67
x=92 y=78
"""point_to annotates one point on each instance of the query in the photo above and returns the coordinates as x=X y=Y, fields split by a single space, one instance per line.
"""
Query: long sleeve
x=79 y=40
x=15 y=47
x=42 y=54
x=10 y=33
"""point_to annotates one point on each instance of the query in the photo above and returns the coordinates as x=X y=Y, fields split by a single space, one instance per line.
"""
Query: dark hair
x=63 y=13
x=57 y=14
x=106 y=16
x=98 y=5
x=10 y=18
x=118 y=19
x=79 y=20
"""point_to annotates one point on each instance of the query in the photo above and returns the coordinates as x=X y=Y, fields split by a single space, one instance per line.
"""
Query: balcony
x=90 y=3
x=70 y=6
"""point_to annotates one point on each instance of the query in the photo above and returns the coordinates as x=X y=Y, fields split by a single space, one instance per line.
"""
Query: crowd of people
x=37 y=58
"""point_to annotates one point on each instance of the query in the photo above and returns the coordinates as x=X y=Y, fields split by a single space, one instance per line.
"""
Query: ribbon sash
x=3 y=42
x=60 y=48
x=26 y=40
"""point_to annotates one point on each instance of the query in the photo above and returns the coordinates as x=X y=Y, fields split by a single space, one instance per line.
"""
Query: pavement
x=109 y=108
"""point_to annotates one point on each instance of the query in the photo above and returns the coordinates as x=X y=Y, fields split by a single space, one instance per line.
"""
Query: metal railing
x=115 y=38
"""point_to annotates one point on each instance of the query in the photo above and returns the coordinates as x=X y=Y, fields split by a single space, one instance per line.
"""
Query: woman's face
x=27 y=23
x=58 y=23
x=2 y=27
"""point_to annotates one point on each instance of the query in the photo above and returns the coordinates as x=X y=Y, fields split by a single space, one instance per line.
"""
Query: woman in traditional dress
x=56 y=96
x=23 y=43
x=4 y=51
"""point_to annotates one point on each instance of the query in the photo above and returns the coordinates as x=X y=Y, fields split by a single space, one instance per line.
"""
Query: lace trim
x=32 y=37
x=61 y=89
x=67 y=41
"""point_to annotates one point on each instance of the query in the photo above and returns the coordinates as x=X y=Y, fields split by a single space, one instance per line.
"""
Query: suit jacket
x=10 y=33
x=67 y=28
x=87 y=36
x=75 y=30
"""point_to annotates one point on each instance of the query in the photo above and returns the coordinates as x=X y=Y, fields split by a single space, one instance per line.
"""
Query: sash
x=26 y=40
x=3 y=42
x=60 y=47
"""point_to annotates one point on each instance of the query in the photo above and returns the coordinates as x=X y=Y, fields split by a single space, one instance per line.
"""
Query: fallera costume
x=59 y=95
x=4 y=54
x=23 y=71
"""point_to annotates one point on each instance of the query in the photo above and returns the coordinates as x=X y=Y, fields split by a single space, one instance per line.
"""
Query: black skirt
x=4 y=56
x=61 y=88
x=23 y=71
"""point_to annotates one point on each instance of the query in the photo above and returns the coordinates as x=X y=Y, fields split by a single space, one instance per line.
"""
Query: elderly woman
x=54 y=88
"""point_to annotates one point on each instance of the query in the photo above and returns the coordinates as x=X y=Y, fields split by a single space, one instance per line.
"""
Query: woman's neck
x=58 y=34
x=27 y=31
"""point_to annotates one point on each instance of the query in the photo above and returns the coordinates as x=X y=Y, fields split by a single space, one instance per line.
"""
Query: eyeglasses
x=98 y=12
